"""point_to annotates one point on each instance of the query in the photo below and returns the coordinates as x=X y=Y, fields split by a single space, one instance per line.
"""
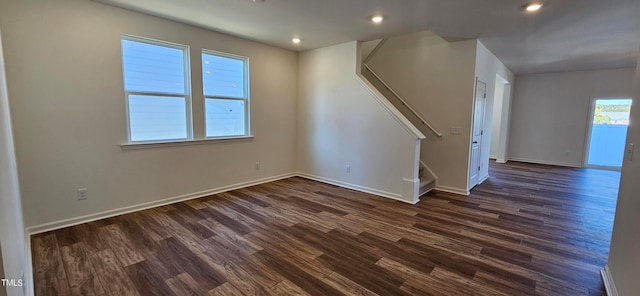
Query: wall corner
x=607 y=278
x=411 y=190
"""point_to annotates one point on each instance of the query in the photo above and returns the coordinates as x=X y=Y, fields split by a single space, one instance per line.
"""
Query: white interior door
x=477 y=132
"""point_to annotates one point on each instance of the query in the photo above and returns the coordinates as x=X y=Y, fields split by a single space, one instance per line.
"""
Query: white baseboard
x=609 y=285
x=354 y=187
x=29 y=279
x=497 y=159
x=143 y=206
x=453 y=190
x=134 y=208
x=556 y=163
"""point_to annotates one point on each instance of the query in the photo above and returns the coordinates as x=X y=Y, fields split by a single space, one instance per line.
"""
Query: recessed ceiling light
x=377 y=19
x=533 y=7
x=296 y=40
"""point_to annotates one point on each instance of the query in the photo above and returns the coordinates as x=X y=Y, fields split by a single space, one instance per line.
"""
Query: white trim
x=404 y=122
x=411 y=190
x=556 y=163
x=32 y=230
x=136 y=38
x=607 y=278
x=453 y=190
x=604 y=167
x=188 y=95
x=374 y=51
x=499 y=160
x=161 y=144
x=36 y=229
x=411 y=186
x=589 y=131
x=247 y=88
x=383 y=101
x=472 y=166
x=430 y=172
x=485 y=178
x=143 y=206
x=354 y=187
x=402 y=101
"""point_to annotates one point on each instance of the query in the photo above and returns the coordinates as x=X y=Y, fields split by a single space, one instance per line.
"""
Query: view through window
x=609 y=132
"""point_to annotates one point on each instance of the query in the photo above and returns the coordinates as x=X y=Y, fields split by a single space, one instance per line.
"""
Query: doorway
x=608 y=124
x=500 y=120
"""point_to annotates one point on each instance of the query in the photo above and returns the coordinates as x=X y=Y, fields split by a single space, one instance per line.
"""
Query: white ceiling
x=566 y=35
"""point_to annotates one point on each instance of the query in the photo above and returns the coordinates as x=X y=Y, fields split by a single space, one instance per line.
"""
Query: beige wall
x=12 y=234
x=487 y=67
x=340 y=123
x=436 y=78
x=66 y=89
x=624 y=261
x=550 y=113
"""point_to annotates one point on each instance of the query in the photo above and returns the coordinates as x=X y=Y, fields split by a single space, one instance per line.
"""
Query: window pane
x=154 y=68
x=224 y=117
x=223 y=76
x=157 y=118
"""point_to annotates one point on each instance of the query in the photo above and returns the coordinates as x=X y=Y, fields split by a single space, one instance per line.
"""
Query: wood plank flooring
x=528 y=230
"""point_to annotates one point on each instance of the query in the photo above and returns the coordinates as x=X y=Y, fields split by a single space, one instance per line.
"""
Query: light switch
x=629 y=152
x=456 y=130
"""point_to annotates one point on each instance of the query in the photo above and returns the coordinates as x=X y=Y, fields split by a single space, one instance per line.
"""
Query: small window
x=226 y=94
x=156 y=83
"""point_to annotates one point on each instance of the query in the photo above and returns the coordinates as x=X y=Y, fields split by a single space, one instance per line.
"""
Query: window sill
x=162 y=144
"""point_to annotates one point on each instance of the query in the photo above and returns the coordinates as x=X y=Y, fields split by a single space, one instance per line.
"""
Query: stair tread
x=426 y=185
x=426 y=181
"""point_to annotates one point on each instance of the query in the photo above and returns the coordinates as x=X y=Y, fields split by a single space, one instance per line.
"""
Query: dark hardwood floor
x=528 y=230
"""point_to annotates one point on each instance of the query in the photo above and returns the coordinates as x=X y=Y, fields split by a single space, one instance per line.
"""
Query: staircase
x=428 y=179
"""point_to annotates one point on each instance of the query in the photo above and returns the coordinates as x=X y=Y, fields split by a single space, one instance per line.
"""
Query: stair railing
x=395 y=94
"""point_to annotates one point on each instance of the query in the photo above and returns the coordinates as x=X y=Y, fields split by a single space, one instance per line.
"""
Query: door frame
x=473 y=123
x=503 y=124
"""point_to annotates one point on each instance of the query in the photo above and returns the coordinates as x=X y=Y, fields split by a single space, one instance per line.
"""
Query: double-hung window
x=226 y=94
x=156 y=83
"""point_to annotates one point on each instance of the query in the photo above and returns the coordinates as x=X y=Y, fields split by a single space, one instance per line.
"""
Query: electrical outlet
x=348 y=168
x=82 y=194
x=257 y=166
x=629 y=152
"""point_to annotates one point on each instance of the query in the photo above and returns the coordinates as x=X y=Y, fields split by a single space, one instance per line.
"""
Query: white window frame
x=187 y=88
x=246 y=99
